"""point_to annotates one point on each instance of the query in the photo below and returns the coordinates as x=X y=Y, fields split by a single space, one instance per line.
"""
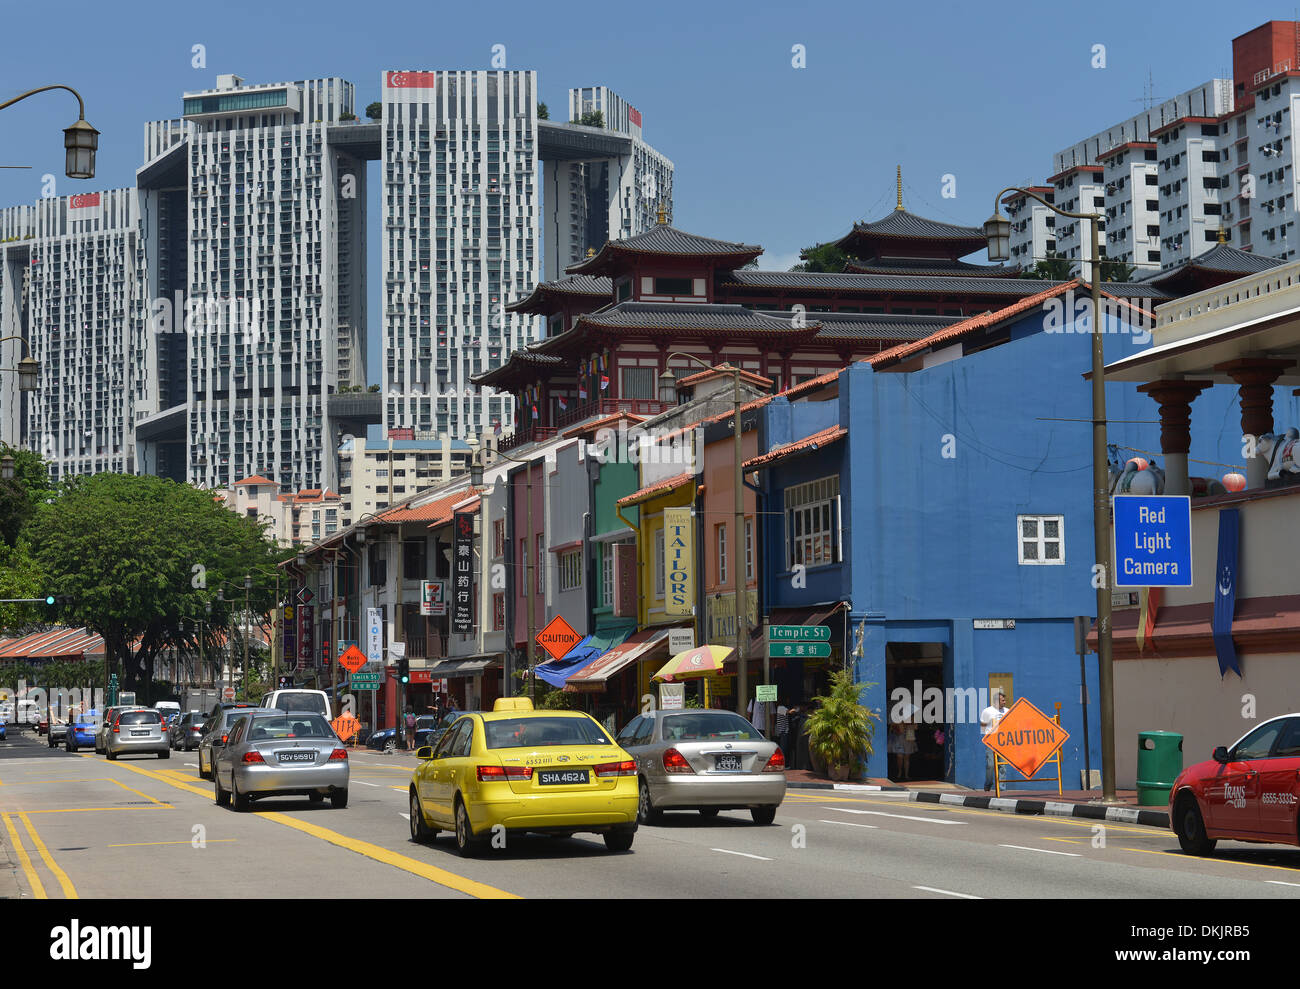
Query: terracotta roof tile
x=438 y=510
x=254 y=480
x=659 y=487
x=817 y=440
x=694 y=379
x=613 y=419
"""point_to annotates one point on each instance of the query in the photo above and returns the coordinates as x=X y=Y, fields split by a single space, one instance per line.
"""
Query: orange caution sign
x=1026 y=738
x=558 y=637
x=345 y=726
x=352 y=659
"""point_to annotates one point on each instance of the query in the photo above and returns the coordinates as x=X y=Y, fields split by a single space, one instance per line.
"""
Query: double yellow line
x=24 y=860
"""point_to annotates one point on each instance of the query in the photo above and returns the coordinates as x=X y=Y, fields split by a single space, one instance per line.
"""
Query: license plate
x=727 y=763
x=297 y=756
x=560 y=777
x=137 y=734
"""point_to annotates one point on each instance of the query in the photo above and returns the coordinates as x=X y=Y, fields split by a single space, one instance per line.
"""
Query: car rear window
x=274 y=727
x=513 y=733
x=709 y=724
x=233 y=715
x=139 y=718
x=302 y=700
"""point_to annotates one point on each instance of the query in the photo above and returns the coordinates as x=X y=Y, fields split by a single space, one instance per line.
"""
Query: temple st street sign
x=798 y=650
x=798 y=633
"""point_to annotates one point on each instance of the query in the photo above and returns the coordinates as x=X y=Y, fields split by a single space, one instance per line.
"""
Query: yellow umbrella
x=700 y=661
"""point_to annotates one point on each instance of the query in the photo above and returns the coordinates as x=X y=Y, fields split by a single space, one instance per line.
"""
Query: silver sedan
x=280 y=755
x=704 y=760
x=136 y=732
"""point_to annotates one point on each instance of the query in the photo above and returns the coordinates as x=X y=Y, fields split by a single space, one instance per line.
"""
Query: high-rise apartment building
x=69 y=271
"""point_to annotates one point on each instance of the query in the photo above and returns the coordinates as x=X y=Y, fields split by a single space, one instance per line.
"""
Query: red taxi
x=1248 y=791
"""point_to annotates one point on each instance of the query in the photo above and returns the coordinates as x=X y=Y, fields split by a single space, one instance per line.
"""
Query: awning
x=816 y=615
x=642 y=645
x=467 y=667
x=556 y=672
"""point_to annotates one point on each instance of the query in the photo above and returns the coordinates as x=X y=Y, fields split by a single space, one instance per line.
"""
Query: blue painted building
x=958 y=489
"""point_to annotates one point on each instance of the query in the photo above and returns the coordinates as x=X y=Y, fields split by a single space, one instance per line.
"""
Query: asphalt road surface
x=80 y=826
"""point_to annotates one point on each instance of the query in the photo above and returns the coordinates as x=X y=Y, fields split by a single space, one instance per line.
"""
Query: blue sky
x=765 y=153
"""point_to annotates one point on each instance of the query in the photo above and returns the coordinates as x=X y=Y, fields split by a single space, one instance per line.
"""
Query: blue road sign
x=1153 y=541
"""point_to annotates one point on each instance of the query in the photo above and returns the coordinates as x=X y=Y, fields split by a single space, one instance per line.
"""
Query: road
x=78 y=825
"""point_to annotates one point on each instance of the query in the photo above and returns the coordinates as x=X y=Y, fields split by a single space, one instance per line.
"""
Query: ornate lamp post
x=80 y=140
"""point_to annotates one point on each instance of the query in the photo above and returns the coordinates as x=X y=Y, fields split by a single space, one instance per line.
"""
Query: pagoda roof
x=888 y=235
x=664 y=240
x=944 y=285
x=1218 y=260
x=876 y=326
x=931 y=266
x=547 y=297
x=522 y=367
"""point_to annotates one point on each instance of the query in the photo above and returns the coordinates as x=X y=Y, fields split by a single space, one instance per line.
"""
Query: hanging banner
x=1225 y=591
x=462 y=571
x=307 y=656
x=375 y=636
x=624 y=579
x=289 y=636
x=679 y=562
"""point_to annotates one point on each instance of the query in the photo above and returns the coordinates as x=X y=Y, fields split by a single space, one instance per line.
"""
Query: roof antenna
x=900 y=188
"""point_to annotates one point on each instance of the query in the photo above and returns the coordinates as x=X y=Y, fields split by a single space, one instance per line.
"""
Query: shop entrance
x=918 y=739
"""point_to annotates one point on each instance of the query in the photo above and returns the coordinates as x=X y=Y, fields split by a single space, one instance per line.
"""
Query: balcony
x=525 y=435
x=600 y=407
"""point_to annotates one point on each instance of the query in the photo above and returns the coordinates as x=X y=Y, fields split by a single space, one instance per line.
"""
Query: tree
x=347 y=115
x=841 y=730
x=592 y=118
x=543 y=112
x=1116 y=271
x=1053 y=268
x=375 y=111
x=20 y=577
x=19 y=497
x=822 y=257
x=140 y=556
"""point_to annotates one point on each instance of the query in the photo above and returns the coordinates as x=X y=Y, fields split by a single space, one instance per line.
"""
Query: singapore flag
x=84 y=206
x=410 y=80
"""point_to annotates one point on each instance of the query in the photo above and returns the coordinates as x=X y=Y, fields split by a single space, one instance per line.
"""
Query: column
x=1175 y=399
x=1254 y=377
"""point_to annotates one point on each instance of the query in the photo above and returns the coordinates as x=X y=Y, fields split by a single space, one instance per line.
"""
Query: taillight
x=776 y=764
x=675 y=762
x=115 y=729
x=253 y=756
x=616 y=769
x=223 y=737
x=338 y=754
x=489 y=774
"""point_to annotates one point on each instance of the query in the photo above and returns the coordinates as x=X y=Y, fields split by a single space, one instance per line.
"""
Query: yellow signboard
x=679 y=562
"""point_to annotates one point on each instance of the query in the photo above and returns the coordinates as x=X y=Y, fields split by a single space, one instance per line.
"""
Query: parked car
x=556 y=772
x=57 y=732
x=185 y=731
x=384 y=740
x=703 y=760
x=137 y=732
x=1248 y=791
x=299 y=699
x=4 y=730
x=216 y=732
x=83 y=730
x=278 y=754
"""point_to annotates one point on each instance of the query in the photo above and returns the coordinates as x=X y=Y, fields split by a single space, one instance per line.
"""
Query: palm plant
x=841 y=730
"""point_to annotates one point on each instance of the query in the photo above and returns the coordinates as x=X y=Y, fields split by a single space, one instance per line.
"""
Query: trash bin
x=1160 y=760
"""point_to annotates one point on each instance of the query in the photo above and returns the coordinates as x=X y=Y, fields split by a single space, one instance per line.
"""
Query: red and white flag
x=84 y=206
x=409 y=80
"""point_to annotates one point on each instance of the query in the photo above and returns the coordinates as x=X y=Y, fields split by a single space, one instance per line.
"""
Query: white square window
x=1041 y=539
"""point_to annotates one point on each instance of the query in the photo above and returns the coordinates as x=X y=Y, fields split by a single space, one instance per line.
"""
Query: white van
x=298 y=699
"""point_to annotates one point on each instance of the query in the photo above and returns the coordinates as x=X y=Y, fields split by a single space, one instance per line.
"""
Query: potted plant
x=841 y=730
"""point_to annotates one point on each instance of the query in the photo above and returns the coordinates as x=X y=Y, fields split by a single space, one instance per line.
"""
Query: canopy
x=557 y=671
x=596 y=674
x=699 y=661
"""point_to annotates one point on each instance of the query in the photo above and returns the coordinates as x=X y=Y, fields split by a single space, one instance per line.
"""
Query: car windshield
x=516 y=732
x=301 y=700
x=276 y=727
x=233 y=715
x=139 y=718
x=422 y=723
x=709 y=724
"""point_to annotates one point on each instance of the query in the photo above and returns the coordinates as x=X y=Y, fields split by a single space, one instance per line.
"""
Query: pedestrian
x=410 y=726
x=758 y=716
x=989 y=719
x=782 y=726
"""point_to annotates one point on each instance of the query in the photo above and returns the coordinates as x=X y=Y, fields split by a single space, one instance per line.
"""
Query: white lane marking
x=904 y=817
x=728 y=851
x=948 y=892
x=1278 y=882
x=364 y=783
x=191 y=765
x=851 y=824
x=1045 y=851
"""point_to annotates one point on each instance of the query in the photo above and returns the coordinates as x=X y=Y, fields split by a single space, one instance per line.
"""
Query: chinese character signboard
x=306 y=636
x=679 y=562
x=462 y=573
x=624 y=579
x=289 y=636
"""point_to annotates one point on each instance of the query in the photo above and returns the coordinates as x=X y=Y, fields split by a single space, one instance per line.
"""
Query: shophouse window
x=1041 y=539
x=571 y=570
x=812 y=523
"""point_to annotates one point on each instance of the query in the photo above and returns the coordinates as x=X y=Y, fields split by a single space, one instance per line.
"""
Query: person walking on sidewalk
x=989 y=719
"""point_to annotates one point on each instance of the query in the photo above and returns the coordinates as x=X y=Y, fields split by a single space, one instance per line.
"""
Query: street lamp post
x=248 y=586
x=667 y=382
x=28 y=369
x=80 y=140
x=998 y=231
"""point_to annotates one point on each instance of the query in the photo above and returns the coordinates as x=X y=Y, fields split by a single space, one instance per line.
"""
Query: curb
x=859 y=787
x=1094 y=812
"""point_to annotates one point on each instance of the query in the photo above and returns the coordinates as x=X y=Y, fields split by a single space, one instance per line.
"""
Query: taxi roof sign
x=558 y=637
x=512 y=704
x=1026 y=738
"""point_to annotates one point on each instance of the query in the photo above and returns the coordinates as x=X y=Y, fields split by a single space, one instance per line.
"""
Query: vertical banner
x=375 y=636
x=679 y=561
x=462 y=571
x=289 y=636
x=307 y=657
x=1225 y=591
x=624 y=579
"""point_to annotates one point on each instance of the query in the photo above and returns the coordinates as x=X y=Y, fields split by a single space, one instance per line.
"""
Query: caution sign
x=345 y=726
x=1026 y=738
x=352 y=659
x=558 y=637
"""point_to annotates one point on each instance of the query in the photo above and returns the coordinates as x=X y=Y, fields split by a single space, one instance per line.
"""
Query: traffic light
x=403 y=671
x=58 y=599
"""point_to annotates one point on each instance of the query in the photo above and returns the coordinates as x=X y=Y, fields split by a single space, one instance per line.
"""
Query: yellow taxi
x=553 y=772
